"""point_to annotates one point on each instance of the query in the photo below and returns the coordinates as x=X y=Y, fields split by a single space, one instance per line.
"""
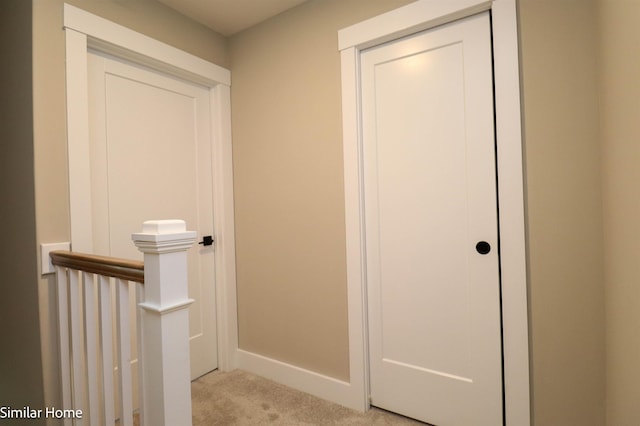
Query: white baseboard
x=307 y=381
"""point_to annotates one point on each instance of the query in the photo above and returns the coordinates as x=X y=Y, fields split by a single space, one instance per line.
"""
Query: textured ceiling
x=228 y=17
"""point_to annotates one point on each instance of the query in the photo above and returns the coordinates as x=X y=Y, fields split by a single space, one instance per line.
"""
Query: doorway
x=84 y=32
x=354 y=43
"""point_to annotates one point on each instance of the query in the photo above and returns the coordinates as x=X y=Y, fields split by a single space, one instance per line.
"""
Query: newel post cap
x=162 y=236
x=169 y=226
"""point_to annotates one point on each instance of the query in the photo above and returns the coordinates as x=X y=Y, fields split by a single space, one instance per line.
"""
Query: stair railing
x=91 y=291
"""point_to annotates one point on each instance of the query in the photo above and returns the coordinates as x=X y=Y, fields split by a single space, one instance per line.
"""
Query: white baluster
x=166 y=390
x=124 y=352
x=139 y=341
x=106 y=349
x=91 y=355
x=77 y=352
x=63 y=327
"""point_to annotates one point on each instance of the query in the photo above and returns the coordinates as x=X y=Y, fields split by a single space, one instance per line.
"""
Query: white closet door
x=430 y=209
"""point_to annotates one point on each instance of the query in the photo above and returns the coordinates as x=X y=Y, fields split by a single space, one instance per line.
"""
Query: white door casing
x=413 y=18
x=84 y=31
x=429 y=196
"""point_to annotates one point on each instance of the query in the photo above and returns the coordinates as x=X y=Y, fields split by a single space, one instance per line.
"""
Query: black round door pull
x=483 y=247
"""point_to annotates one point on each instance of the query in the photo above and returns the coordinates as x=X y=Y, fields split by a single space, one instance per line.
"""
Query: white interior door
x=151 y=159
x=430 y=198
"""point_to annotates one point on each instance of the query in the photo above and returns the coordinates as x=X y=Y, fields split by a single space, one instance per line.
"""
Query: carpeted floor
x=240 y=398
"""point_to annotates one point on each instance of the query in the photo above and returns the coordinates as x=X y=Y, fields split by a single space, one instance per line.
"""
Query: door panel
x=151 y=159
x=430 y=196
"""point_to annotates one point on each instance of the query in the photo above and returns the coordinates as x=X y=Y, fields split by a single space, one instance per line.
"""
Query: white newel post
x=164 y=336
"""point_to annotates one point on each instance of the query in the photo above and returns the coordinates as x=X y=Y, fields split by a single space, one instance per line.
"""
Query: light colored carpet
x=240 y=398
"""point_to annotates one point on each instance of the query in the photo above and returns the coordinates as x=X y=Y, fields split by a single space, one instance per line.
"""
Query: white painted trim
x=356 y=295
x=224 y=227
x=154 y=309
x=319 y=385
x=418 y=16
x=407 y=20
x=77 y=137
x=83 y=31
x=123 y=42
x=513 y=257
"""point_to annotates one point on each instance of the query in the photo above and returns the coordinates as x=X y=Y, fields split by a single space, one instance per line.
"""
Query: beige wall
x=559 y=70
x=20 y=359
x=50 y=155
x=620 y=109
x=289 y=197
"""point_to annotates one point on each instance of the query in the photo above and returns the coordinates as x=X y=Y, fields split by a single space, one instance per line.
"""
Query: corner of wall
x=20 y=359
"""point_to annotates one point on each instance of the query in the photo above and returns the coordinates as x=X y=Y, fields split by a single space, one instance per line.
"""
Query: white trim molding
x=415 y=17
x=84 y=31
x=304 y=380
x=123 y=42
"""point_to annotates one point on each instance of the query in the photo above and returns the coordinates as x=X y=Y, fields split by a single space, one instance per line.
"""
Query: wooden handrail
x=129 y=270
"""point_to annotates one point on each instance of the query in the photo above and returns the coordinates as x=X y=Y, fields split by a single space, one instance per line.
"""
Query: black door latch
x=207 y=240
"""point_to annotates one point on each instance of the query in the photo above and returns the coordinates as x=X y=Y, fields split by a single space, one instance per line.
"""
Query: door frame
x=419 y=16
x=84 y=31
